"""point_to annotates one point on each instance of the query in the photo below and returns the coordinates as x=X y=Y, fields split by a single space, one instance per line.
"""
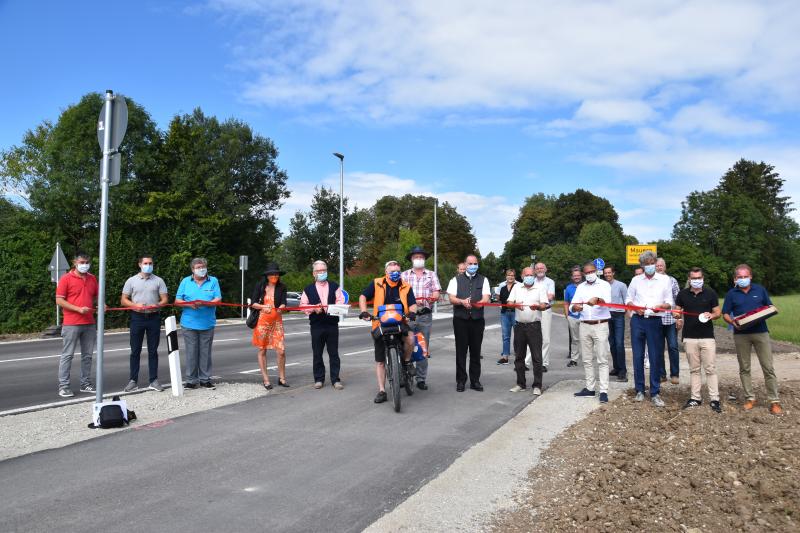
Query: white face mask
x=83 y=268
x=696 y=283
x=200 y=272
x=591 y=278
x=419 y=263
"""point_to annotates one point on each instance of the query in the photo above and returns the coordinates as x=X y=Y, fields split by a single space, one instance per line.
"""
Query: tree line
x=210 y=188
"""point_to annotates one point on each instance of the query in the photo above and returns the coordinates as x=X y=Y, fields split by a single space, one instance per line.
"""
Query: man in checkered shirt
x=670 y=331
x=425 y=285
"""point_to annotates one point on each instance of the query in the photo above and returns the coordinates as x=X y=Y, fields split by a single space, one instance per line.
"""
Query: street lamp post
x=341 y=219
x=435 y=249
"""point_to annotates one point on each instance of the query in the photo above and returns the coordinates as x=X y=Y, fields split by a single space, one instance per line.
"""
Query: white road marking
x=360 y=351
x=256 y=370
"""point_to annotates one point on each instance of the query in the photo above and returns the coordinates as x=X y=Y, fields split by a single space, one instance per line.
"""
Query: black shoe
x=544 y=369
x=460 y=387
x=614 y=372
x=663 y=379
x=715 y=406
x=502 y=361
x=381 y=397
x=421 y=385
x=572 y=363
x=190 y=385
x=207 y=384
x=282 y=383
x=476 y=386
x=622 y=377
x=603 y=397
x=268 y=386
x=584 y=392
x=410 y=369
x=691 y=402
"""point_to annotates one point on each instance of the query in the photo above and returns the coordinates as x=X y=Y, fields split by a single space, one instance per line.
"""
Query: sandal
x=268 y=386
x=282 y=383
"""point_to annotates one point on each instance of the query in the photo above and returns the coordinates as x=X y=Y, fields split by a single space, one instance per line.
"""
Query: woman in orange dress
x=270 y=297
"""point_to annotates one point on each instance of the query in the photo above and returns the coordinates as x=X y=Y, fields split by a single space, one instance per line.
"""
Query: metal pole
x=435 y=249
x=341 y=219
x=101 y=297
x=242 y=293
x=58 y=271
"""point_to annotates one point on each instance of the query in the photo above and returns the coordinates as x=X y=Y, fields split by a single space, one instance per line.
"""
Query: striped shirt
x=423 y=285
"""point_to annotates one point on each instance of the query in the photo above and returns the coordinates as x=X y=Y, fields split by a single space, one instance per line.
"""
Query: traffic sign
x=243 y=262
x=58 y=264
x=346 y=296
x=633 y=251
x=119 y=122
x=599 y=264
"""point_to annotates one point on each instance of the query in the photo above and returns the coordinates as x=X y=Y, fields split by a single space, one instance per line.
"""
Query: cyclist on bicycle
x=390 y=289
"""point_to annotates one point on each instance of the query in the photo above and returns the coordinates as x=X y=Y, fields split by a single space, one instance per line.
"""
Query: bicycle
x=397 y=374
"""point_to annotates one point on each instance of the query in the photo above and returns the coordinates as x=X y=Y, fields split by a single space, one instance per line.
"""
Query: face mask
x=540 y=275
x=649 y=269
x=274 y=279
x=322 y=276
x=591 y=278
x=472 y=269
x=419 y=263
x=529 y=280
x=743 y=282
x=696 y=283
x=394 y=275
x=83 y=268
x=200 y=272
x=147 y=269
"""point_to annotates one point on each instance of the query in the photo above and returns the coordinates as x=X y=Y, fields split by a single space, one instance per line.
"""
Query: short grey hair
x=198 y=261
x=390 y=263
x=662 y=260
x=646 y=257
x=317 y=263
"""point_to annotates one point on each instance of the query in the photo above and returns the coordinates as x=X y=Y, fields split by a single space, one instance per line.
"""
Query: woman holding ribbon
x=269 y=297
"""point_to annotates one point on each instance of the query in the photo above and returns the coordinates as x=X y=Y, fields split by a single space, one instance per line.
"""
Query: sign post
x=243 y=267
x=111 y=126
x=633 y=251
x=58 y=267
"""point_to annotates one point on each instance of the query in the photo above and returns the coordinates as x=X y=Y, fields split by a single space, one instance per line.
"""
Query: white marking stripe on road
x=57 y=355
x=256 y=370
x=360 y=351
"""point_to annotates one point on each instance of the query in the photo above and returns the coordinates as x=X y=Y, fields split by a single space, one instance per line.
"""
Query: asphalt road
x=299 y=460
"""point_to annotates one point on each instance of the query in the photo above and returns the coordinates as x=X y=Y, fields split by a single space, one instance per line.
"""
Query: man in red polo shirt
x=76 y=294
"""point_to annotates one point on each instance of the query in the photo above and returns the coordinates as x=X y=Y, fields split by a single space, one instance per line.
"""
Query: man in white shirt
x=594 y=329
x=540 y=269
x=531 y=301
x=652 y=293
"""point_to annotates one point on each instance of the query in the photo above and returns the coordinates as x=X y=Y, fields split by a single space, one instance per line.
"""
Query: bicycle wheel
x=393 y=370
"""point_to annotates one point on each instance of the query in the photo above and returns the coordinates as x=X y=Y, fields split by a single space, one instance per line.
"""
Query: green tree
x=745 y=219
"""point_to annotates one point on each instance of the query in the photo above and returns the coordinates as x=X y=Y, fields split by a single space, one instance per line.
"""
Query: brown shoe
x=748 y=405
x=674 y=380
x=775 y=408
x=338 y=385
x=318 y=385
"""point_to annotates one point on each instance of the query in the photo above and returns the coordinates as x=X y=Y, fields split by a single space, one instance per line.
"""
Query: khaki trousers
x=594 y=344
x=702 y=352
x=760 y=341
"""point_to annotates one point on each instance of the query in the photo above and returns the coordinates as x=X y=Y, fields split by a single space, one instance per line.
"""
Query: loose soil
x=632 y=467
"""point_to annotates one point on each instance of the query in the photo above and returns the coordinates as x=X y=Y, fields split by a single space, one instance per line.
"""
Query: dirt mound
x=633 y=467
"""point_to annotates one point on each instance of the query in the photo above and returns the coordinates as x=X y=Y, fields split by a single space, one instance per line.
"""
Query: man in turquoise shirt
x=198 y=321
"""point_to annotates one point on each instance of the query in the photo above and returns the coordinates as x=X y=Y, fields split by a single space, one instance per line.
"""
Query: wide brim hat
x=417 y=250
x=272 y=268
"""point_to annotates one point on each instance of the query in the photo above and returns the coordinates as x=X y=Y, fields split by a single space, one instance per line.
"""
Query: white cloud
x=706 y=117
x=490 y=216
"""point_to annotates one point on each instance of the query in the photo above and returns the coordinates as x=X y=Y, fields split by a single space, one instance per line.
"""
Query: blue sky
x=478 y=103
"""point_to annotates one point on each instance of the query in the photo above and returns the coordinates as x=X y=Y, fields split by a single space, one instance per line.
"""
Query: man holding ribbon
x=530 y=301
x=650 y=293
x=696 y=307
x=324 y=327
x=547 y=316
x=141 y=294
x=198 y=320
x=425 y=285
x=467 y=293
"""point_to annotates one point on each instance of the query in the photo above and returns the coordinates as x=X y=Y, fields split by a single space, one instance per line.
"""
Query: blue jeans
x=616 y=341
x=142 y=324
x=507 y=323
x=646 y=331
x=670 y=334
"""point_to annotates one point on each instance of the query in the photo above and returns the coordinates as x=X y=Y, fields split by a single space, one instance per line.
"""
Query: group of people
x=596 y=305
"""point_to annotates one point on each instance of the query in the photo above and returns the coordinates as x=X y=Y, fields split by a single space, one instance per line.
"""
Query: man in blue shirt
x=573 y=319
x=198 y=321
x=747 y=296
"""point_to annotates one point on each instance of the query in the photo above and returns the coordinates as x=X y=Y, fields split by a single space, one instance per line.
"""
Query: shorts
x=380 y=347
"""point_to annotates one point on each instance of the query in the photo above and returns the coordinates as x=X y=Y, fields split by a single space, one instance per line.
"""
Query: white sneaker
x=537 y=391
x=65 y=392
x=657 y=401
x=639 y=397
x=156 y=386
x=515 y=388
x=131 y=386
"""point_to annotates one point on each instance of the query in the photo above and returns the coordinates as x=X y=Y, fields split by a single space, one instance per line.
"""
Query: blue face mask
x=322 y=276
x=472 y=269
x=529 y=280
x=147 y=269
x=394 y=276
x=649 y=269
x=743 y=283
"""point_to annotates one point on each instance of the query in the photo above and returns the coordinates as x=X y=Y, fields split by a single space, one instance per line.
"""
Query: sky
x=480 y=104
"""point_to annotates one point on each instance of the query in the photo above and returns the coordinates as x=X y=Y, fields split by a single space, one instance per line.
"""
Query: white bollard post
x=171 y=329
